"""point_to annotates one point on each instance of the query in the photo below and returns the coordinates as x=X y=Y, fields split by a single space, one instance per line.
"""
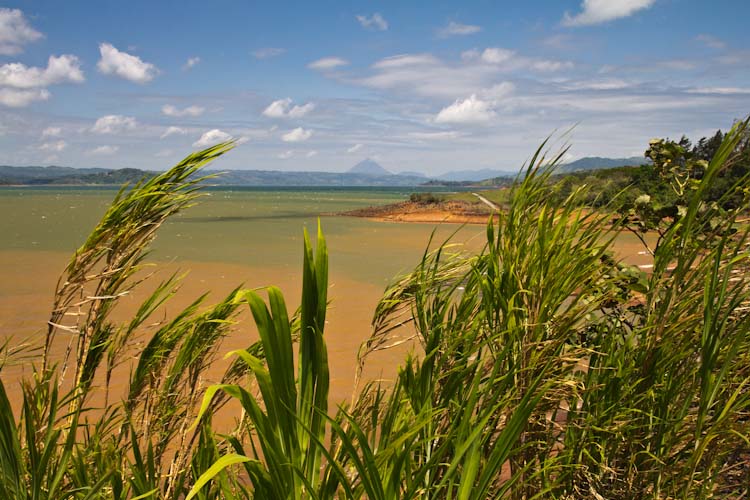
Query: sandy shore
x=455 y=212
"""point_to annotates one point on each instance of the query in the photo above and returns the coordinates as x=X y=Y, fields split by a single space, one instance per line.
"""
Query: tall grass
x=543 y=368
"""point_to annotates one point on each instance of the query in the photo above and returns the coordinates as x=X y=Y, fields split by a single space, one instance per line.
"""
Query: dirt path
x=487 y=202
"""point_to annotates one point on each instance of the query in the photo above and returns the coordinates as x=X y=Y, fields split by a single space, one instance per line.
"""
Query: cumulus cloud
x=56 y=146
x=114 y=124
x=104 y=150
x=15 y=32
x=211 y=137
x=283 y=109
x=328 y=63
x=466 y=111
x=20 y=85
x=375 y=22
x=285 y=155
x=52 y=132
x=496 y=55
x=355 y=148
x=62 y=69
x=173 y=131
x=457 y=29
x=310 y=154
x=192 y=61
x=297 y=135
x=268 y=52
x=601 y=11
x=15 y=98
x=124 y=65
x=170 y=110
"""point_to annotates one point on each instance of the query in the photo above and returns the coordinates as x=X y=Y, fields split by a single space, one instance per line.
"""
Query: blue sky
x=418 y=86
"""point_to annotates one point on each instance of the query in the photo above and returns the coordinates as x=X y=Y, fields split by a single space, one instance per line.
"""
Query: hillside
x=598 y=163
x=68 y=176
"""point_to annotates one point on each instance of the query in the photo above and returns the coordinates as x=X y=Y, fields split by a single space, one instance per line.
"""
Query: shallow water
x=233 y=236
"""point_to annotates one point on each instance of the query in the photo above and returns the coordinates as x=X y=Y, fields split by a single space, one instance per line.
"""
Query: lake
x=232 y=236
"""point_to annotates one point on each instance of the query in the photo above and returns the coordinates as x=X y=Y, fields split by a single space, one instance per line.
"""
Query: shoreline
x=453 y=212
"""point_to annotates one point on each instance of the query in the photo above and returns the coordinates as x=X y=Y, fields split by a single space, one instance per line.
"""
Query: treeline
x=675 y=168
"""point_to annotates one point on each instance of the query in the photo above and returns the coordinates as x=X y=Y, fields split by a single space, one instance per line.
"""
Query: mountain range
x=365 y=173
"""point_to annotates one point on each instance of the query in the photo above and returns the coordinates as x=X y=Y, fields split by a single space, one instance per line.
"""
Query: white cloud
x=15 y=32
x=173 y=131
x=469 y=110
x=192 y=61
x=328 y=63
x=355 y=148
x=285 y=155
x=62 y=69
x=426 y=75
x=212 y=137
x=170 y=110
x=406 y=61
x=719 y=90
x=297 y=135
x=124 y=65
x=114 y=124
x=310 y=154
x=283 y=109
x=509 y=60
x=601 y=11
x=14 y=98
x=498 y=91
x=711 y=42
x=607 y=84
x=495 y=55
x=455 y=28
x=52 y=132
x=56 y=146
x=547 y=66
x=436 y=136
x=375 y=22
x=268 y=52
x=104 y=150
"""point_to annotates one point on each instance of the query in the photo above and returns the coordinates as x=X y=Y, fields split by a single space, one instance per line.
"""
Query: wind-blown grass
x=544 y=368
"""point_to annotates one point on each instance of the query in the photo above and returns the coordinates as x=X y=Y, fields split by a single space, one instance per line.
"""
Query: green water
x=248 y=226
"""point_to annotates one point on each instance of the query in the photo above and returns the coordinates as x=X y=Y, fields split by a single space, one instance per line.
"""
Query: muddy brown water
x=233 y=237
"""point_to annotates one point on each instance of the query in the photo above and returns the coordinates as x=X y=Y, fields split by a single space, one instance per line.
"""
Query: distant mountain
x=412 y=174
x=474 y=175
x=369 y=167
x=598 y=163
x=275 y=178
x=69 y=176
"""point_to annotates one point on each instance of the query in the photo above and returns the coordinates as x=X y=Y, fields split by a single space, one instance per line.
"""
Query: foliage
x=425 y=198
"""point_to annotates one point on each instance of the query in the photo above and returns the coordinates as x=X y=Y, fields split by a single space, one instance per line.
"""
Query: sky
x=419 y=86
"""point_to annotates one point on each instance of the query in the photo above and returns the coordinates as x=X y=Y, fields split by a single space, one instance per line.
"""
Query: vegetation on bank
x=545 y=368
